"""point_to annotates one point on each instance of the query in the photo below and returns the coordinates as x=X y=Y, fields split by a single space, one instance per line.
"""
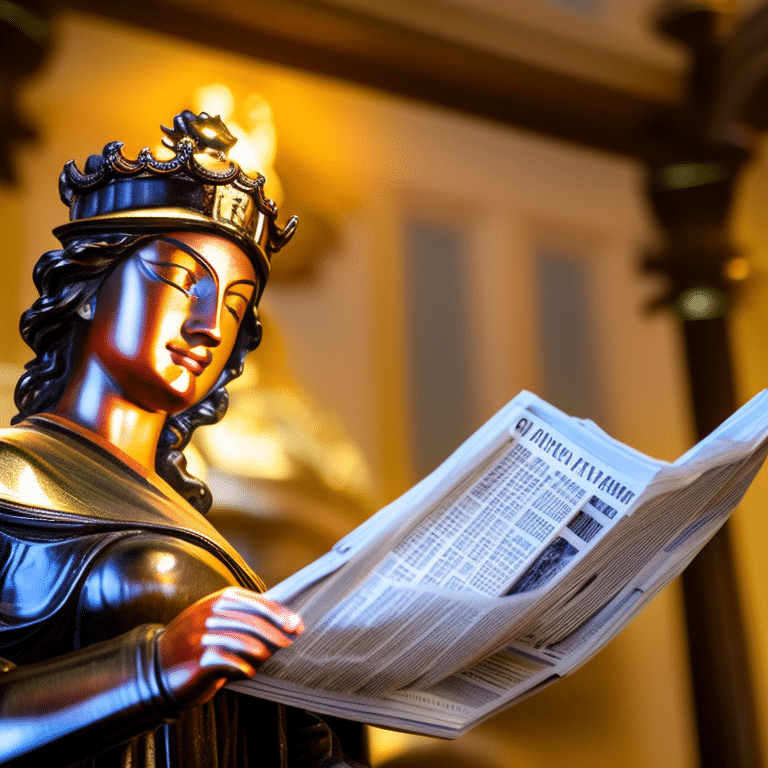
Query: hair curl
x=67 y=278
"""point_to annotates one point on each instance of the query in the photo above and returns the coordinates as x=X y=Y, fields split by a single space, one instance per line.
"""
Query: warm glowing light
x=387 y=745
x=255 y=150
x=215 y=99
x=737 y=268
x=249 y=454
x=257 y=110
x=256 y=136
x=344 y=470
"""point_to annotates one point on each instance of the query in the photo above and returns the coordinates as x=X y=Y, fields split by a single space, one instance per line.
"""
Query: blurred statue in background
x=123 y=611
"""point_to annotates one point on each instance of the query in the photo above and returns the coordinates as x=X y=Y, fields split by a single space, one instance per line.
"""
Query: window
x=442 y=392
x=570 y=372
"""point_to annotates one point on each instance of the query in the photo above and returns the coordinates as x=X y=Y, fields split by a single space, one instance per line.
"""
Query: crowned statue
x=124 y=613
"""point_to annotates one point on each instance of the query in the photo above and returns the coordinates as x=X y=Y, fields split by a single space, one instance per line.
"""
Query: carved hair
x=66 y=279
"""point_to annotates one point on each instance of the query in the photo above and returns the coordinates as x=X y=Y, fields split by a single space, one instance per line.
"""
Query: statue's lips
x=193 y=362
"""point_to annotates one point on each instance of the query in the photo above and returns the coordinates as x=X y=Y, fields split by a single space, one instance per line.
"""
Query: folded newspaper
x=508 y=567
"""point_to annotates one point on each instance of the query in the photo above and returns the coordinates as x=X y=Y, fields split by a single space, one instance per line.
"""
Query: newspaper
x=506 y=568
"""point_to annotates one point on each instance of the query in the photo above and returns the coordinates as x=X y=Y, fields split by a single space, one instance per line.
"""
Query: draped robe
x=95 y=557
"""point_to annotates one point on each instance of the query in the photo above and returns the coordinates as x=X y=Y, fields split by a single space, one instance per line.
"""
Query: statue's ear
x=87 y=309
x=258 y=330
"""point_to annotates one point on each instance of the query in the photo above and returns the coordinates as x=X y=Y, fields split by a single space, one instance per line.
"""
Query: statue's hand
x=225 y=636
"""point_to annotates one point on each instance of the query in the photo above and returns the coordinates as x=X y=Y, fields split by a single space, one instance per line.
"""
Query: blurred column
x=691 y=187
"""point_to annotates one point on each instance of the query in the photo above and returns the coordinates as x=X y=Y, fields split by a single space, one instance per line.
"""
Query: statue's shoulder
x=15 y=435
x=147 y=578
x=28 y=438
x=46 y=469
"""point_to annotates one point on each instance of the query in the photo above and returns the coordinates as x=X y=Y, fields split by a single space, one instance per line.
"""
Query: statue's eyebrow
x=189 y=250
x=249 y=283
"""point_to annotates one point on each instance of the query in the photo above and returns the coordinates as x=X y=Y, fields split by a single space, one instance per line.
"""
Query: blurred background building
x=471 y=179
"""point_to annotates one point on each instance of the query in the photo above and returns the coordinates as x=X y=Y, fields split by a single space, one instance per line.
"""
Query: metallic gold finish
x=166 y=322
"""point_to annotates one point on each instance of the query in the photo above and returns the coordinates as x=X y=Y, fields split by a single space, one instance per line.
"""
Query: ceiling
x=603 y=79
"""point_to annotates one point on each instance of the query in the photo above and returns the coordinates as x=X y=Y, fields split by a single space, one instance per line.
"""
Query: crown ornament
x=147 y=195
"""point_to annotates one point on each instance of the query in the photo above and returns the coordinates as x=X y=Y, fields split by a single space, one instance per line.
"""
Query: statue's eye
x=173 y=274
x=236 y=305
x=237 y=299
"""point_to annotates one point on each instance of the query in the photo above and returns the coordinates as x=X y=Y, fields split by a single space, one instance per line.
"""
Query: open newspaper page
x=508 y=567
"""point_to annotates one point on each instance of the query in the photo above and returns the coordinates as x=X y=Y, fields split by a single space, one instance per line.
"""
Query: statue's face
x=167 y=318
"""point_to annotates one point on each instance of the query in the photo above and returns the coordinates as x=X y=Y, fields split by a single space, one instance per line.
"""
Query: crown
x=147 y=195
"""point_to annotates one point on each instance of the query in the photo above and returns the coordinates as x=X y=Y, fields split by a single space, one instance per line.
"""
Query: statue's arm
x=150 y=647
x=80 y=703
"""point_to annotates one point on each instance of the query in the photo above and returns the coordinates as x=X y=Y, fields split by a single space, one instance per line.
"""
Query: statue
x=123 y=612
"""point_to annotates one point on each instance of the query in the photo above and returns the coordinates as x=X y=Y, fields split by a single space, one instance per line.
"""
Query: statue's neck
x=92 y=400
